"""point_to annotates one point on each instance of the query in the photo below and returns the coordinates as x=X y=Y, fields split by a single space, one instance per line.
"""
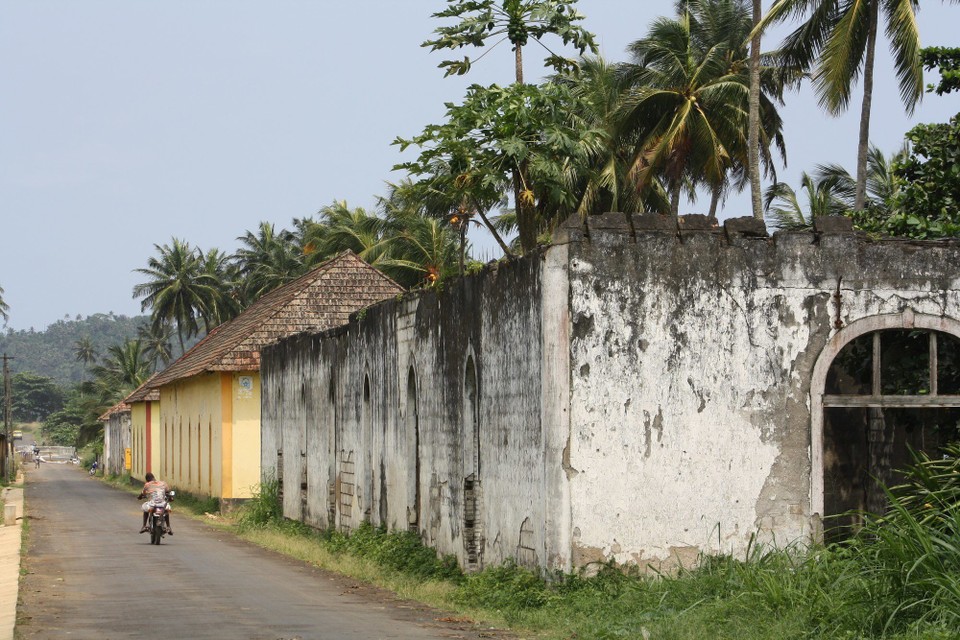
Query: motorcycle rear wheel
x=156 y=533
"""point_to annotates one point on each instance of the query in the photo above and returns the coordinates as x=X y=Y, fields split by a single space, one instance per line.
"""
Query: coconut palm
x=831 y=191
x=784 y=211
x=688 y=101
x=177 y=289
x=881 y=185
x=603 y=183
x=837 y=43
x=4 y=307
x=753 y=118
x=341 y=228
x=124 y=368
x=85 y=352
x=267 y=259
x=422 y=250
x=226 y=301
x=156 y=342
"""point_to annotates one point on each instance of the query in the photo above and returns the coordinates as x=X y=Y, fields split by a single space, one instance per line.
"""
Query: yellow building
x=205 y=435
x=144 y=404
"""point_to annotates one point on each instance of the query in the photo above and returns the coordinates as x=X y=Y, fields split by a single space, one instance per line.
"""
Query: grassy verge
x=898 y=578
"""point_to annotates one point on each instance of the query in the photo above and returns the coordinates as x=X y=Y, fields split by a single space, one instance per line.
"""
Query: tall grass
x=897 y=578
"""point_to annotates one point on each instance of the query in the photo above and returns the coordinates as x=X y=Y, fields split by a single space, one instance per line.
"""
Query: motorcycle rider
x=156 y=490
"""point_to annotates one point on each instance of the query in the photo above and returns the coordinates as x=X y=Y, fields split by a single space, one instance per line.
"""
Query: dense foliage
x=50 y=353
x=33 y=397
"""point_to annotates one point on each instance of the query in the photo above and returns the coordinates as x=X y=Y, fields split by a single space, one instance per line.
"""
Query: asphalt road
x=89 y=574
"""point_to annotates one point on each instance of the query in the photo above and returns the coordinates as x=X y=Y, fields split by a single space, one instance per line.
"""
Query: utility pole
x=7 y=444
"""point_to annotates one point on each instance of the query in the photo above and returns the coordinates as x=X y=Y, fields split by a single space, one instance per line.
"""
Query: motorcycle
x=157 y=519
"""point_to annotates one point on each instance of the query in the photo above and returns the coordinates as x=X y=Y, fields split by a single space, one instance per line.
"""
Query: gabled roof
x=144 y=393
x=321 y=299
x=120 y=407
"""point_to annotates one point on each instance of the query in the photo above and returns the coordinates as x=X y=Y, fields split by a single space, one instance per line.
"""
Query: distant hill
x=50 y=353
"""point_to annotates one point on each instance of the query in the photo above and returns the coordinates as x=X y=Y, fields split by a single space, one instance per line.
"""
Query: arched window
x=882 y=387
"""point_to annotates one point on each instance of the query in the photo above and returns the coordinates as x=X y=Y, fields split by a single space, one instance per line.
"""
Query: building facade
x=201 y=421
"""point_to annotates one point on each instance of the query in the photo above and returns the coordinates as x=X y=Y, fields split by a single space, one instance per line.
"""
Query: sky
x=125 y=123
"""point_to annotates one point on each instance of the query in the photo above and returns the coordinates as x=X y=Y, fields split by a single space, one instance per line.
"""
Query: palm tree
x=688 y=101
x=831 y=191
x=784 y=211
x=156 y=343
x=881 y=184
x=4 y=307
x=604 y=184
x=342 y=228
x=227 y=300
x=85 y=352
x=177 y=289
x=837 y=42
x=753 y=122
x=124 y=368
x=267 y=260
x=422 y=250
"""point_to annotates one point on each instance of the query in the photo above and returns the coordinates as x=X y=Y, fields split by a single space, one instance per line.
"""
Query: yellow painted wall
x=208 y=434
x=189 y=435
x=245 y=433
x=138 y=440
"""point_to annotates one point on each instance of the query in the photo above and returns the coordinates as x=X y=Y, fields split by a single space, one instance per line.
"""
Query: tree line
x=693 y=112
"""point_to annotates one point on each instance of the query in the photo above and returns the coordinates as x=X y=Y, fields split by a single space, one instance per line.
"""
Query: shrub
x=263 y=508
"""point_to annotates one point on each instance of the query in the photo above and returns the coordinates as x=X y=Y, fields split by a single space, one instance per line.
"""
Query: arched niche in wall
x=329 y=417
x=472 y=502
x=412 y=437
x=881 y=386
x=366 y=419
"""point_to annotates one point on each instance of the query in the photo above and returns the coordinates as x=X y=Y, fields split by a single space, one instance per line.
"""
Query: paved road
x=91 y=575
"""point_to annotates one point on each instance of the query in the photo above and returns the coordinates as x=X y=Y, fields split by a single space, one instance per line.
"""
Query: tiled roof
x=120 y=407
x=321 y=299
x=144 y=393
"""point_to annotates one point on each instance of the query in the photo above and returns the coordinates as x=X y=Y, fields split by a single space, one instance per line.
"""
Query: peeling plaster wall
x=691 y=360
x=344 y=398
x=643 y=394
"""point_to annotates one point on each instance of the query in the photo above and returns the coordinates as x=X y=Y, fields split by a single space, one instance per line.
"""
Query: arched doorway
x=882 y=386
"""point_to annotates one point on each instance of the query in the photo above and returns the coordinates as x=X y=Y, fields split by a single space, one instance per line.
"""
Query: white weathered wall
x=371 y=444
x=640 y=400
x=691 y=360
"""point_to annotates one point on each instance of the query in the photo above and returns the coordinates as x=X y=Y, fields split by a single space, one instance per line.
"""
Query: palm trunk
x=753 y=124
x=714 y=200
x=675 y=199
x=496 y=236
x=861 y=196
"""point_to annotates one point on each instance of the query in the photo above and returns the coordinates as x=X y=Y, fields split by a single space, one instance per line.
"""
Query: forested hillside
x=51 y=353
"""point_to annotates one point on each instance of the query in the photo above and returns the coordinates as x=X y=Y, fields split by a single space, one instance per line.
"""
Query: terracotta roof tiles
x=321 y=299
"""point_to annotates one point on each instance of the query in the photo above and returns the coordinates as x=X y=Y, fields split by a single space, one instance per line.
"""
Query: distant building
x=205 y=435
x=144 y=405
x=116 y=437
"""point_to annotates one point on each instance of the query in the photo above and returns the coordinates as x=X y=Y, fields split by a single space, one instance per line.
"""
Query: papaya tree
x=486 y=24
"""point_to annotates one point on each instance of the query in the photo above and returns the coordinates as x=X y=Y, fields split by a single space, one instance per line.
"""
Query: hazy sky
x=125 y=123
